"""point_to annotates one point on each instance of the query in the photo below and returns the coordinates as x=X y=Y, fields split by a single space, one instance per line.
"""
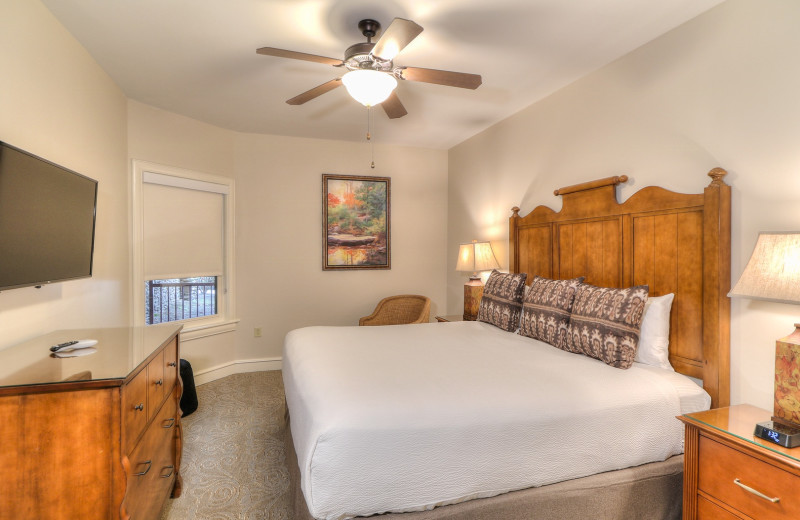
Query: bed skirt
x=649 y=492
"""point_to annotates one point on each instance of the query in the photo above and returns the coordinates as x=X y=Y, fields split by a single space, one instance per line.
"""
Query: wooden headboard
x=673 y=242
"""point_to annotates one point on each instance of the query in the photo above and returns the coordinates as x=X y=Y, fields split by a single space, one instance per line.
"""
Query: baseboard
x=207 y=375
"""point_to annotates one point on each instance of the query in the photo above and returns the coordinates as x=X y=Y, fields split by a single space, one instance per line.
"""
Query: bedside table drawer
x=720 y=466
x=708 y=510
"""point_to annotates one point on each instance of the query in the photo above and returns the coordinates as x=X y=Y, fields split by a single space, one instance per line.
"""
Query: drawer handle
x=759 y=494
x=139 y=407
x=171 y=364
x=171 y=471
x=142 y=473
x=171 y=422
x=160 y=382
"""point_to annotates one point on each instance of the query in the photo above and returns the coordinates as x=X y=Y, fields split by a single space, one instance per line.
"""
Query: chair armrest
x=386 y=310
x=374 y=318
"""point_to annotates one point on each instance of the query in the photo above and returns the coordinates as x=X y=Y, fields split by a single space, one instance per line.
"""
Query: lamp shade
x=773 y=272
x=476 y=256
x=369 y=87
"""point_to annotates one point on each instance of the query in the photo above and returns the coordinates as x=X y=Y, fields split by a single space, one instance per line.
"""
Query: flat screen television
x=47 y=221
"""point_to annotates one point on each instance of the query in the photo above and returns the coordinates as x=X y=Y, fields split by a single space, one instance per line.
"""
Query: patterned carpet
x=233 y=462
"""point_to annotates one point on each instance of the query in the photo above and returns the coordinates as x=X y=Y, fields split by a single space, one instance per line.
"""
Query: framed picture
x=356 y=230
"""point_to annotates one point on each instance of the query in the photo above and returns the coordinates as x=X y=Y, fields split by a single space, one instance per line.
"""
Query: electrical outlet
x=257 y=332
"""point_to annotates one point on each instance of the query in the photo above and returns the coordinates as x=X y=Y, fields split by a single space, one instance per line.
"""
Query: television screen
x=47 y=220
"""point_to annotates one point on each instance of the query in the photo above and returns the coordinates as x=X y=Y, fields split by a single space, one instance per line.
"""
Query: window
x=176 y=299
x=183 y=250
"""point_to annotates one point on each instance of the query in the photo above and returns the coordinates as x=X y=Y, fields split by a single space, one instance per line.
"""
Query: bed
x=464 y=420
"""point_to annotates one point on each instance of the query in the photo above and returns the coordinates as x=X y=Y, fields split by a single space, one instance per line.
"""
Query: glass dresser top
x=118 y=352
x=740 y=421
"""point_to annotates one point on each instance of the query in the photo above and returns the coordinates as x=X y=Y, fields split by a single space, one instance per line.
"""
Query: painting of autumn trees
x=356 y=222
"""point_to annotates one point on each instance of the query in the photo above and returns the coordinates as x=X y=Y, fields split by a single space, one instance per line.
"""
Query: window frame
x=225 y=319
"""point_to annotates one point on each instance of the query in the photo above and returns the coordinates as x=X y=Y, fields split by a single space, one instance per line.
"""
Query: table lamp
x=473 y=257
x=773 y=274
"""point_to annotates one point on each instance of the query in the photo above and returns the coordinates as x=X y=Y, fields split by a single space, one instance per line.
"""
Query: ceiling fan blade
x=282 y=53
x=394 y=39
x=315 y=92
x=393 y=107
x=442 y=77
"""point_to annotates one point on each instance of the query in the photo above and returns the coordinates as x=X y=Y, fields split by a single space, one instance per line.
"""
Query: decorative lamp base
x=473 y=291
x=787 y=379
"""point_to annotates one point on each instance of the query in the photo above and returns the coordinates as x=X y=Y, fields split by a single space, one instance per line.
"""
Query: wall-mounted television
x=47 y=221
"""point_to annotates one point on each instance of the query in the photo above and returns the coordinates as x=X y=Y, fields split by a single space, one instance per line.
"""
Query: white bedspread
x=405 y=418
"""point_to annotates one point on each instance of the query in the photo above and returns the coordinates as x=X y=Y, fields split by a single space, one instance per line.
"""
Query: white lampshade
x=369 y=87
x=773 y=272
x=476 y=256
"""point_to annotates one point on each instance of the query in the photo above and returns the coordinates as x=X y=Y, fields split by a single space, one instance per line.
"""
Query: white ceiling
x=197 y=57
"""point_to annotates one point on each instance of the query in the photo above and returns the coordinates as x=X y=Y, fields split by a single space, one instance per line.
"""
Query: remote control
x=74 y=353
x=73 y=345
x=56 y=348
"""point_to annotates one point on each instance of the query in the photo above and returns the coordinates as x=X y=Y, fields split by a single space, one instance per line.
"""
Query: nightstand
x=450 y=317
x=729 y=474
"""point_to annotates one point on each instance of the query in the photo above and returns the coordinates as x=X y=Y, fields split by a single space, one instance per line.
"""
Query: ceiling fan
x=371 y=74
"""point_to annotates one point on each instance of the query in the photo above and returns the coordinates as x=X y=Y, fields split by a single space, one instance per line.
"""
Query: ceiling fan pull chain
x=369 y=138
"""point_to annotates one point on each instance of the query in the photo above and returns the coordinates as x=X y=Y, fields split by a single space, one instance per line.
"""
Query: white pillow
x=653 y=346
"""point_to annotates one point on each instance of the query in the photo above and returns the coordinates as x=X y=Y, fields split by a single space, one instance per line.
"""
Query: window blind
x=183 y=227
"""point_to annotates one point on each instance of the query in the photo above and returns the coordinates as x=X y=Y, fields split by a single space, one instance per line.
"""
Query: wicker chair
x=397 y=310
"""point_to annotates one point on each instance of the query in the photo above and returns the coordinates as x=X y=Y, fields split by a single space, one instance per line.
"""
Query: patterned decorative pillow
x=546 y=310
x=605 y=323
x=501 y=304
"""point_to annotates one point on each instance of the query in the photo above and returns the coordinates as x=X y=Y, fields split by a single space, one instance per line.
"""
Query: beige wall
x=721 y=90
x=280 y=282
x=166 y=138
x=56 y=102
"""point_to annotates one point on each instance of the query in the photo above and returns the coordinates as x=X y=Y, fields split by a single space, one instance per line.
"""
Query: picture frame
x=356 y=222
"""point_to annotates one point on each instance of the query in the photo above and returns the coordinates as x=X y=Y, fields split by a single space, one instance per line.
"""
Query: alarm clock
x=780 y=434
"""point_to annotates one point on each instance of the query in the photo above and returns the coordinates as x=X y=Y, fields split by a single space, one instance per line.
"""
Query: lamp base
x=473 y=291
x=787 y=380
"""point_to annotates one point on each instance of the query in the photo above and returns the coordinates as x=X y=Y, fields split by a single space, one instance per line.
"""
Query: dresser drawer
x=720 y=466
x=152 y=465
x=708 y=510
x=170 y=366
x=134 y=409
x=155 y=383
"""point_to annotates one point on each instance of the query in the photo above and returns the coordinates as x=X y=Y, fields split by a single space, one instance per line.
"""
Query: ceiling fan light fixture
x=369 y=87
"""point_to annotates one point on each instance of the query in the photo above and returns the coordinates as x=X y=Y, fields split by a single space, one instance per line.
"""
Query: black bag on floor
x=189 y=397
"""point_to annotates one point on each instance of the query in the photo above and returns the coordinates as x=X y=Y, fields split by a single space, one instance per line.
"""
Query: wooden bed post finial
x=599 y=183
x=717 y=174
x=515 y=211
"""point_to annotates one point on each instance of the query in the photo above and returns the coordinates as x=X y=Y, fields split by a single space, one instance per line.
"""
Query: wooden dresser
x=96 y=436
x=731 y=475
